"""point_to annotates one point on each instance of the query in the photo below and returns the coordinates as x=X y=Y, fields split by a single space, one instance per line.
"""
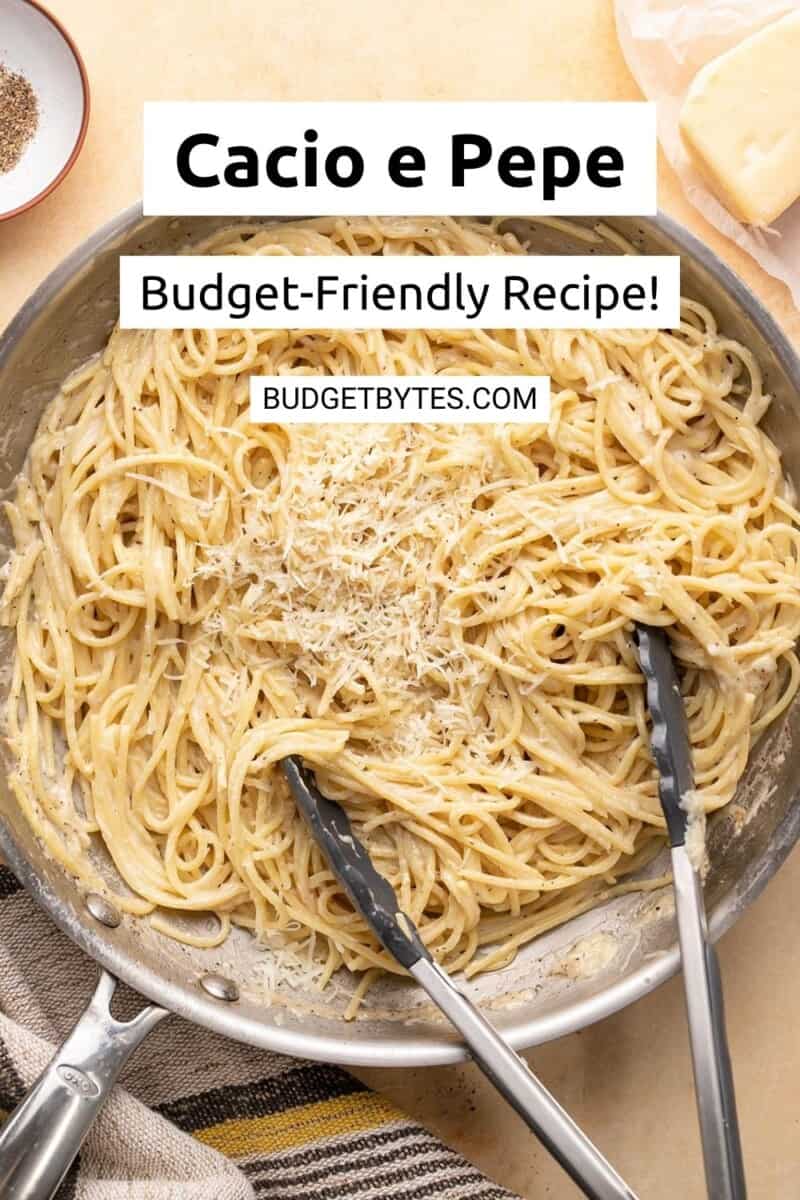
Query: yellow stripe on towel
x=297 y=1126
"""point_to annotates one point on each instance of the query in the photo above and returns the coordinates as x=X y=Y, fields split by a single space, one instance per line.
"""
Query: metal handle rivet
x=219 y=987
x=103 y=910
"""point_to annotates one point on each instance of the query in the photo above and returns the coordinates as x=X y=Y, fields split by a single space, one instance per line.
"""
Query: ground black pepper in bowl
x=19 y=117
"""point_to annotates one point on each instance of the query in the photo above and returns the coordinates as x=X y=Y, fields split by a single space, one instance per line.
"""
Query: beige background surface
x=628 y=1079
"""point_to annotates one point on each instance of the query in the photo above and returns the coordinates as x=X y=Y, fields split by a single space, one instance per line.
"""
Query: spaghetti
x=436 y=618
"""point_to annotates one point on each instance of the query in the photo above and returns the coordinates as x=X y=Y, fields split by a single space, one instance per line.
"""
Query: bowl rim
x=406 y=1047
x=81 y=138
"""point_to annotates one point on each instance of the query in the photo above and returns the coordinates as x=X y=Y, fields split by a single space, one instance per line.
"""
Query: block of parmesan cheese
x=740 y=123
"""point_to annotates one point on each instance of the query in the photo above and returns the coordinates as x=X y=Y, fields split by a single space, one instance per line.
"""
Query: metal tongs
x=374 y=898
x=713 y=1078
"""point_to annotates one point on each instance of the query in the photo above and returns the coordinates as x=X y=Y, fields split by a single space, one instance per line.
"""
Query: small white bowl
x=36 y=45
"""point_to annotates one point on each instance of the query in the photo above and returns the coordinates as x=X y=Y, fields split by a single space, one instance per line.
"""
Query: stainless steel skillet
x=536 y=999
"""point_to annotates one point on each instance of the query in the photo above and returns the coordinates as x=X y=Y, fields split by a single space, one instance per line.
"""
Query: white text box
x=399 y=292
x=418 y=158
x=351 y=399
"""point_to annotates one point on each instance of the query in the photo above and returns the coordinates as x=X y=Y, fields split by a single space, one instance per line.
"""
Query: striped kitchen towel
x=197 y=1117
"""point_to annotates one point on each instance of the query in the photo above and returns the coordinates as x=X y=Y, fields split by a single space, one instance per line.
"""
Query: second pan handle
x=41 y=1138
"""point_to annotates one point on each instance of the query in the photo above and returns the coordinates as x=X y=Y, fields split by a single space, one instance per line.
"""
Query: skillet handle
x=43 y=1135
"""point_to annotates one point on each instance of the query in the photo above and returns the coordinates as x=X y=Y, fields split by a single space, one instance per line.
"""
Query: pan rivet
x=219 y=987
x=102 y=910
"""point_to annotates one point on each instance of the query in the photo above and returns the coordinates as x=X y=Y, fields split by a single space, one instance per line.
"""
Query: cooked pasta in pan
x=435 y=617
